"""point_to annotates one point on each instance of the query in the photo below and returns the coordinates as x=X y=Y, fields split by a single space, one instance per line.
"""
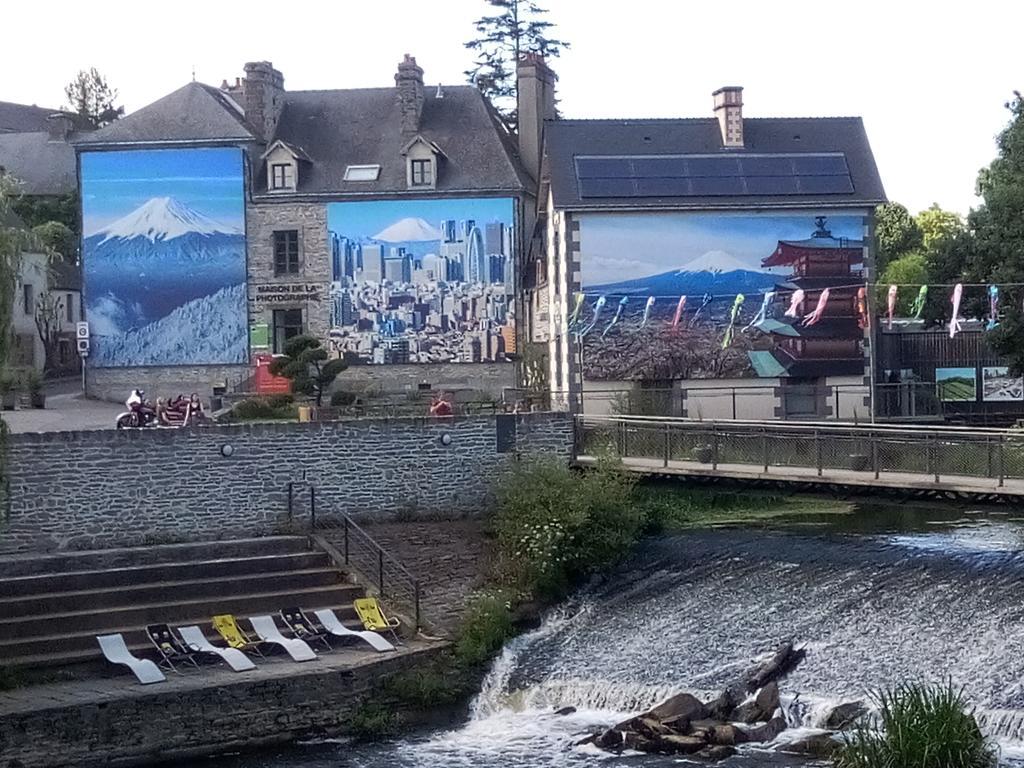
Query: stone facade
x=309 y=290
x=115 y=384
x=90 y=490
x=192 y=716
x=490 y=378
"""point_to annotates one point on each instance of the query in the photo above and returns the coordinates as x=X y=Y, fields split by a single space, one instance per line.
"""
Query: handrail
x=805 y=425
x=355 y=537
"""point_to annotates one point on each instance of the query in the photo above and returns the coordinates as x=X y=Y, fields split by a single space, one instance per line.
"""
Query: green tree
x=40 y=209
x=58 y=238
x=90 y=97
x=996 y=254
x=937 y=226
x=896 y=233
x=513 y=28
x=305 y=363
x=906 y=271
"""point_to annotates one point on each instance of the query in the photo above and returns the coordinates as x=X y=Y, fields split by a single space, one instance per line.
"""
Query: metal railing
x=355 y=550
x=927 y=453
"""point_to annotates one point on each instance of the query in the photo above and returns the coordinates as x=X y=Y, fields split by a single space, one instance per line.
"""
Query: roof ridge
x=427 y=89
x=566 y=121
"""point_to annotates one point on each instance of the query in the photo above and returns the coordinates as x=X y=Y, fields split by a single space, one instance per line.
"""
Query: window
x=422 y=174
x=282 y=176
x=362 y=172
x=287 y=324
x=69 y=306
x=28 y=299
x=286 y=252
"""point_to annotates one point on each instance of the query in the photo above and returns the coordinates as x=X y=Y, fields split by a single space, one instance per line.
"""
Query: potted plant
x=34 y=387
x=8 y=396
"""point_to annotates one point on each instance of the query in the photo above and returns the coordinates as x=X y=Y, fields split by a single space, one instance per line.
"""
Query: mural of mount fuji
x=163 y=257
x=423 y=281
x=707 y=257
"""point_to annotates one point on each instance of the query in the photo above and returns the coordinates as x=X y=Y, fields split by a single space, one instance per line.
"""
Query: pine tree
x=91 y=98
x=516 y=27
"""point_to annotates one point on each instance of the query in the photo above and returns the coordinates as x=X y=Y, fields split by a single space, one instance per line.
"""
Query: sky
x=930 y=78
x=628 y=246
x=207 y=180
x=365 y=219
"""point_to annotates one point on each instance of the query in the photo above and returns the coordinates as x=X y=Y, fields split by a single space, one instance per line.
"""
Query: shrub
x=922 y=727
x=341 y=398
x=555 y=525
x=486 y=626
x=255 y=408
x=373 y=722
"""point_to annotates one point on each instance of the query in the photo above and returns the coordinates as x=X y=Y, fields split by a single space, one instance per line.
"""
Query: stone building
x=651 y=287
x=387 y=221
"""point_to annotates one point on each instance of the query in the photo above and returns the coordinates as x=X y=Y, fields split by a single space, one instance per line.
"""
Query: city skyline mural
x=163 y=257
x=423 y=281
x=711 y=295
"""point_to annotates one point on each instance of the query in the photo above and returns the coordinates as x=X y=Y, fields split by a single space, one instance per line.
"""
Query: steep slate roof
x=193 y=113
x=362 y=126
x=23 y=118
x=43 y=166
x=566 y=139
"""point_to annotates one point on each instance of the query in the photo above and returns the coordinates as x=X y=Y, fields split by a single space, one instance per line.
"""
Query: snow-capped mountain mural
x=409 y=229
x=164 y=257
x=642 y=264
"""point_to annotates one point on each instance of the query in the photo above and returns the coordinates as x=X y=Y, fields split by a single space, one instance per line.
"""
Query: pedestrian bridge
x=944 y=460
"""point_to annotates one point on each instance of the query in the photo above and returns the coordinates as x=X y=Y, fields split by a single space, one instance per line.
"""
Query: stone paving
x=32 y=698
x=65 y=410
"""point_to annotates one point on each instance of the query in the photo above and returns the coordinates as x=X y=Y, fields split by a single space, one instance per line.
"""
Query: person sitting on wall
x=439 y=406
x=196 y=407
x=161 y=412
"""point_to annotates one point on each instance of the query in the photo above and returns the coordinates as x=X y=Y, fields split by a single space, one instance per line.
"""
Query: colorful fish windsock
x=598 y=306
x=955 y=299
x=993 y=307
x=762 y=313
x=918 y=307
x=679 y=312
x=647 y=311
x=794 y=303
x=863 y=318
x=575 y=316
x=819 y=310
x=707 y=299
x=618 y=313
x=891 y=303
x=727 y=339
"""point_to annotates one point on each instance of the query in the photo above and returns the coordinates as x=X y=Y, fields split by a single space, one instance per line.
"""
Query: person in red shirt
x=439 y=406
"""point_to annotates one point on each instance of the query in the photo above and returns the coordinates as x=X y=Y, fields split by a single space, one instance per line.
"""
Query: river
x=888 y=593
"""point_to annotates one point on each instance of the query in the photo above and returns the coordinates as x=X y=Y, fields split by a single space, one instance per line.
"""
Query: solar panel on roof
x=713 y=175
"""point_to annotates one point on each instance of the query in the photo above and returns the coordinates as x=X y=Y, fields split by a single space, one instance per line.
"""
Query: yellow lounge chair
x=227 y=627
x=373 y=618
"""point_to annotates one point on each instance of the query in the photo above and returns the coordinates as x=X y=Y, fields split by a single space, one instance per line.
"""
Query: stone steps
x=52 y=607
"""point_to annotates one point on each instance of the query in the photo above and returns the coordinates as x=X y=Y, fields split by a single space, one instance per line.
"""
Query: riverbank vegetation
x=921 y=727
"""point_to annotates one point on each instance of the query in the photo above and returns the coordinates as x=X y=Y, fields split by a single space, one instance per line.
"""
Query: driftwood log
x=683 y=724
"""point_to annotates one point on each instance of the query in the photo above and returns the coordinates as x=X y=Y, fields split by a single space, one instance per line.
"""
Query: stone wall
x=115 y=384
x=80 y=490
x=491 y=378
x=189 y=717
x=310 y=288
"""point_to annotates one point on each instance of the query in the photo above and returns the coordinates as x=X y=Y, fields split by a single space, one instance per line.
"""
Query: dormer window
x=282 y=176
x=283 y=163
x=422 y=173
x=421 y=163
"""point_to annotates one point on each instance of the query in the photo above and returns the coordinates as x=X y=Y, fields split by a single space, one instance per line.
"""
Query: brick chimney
x=59 y=126
x=262 y=97
x=535 y=104
x=729 y=111
x=409 y=80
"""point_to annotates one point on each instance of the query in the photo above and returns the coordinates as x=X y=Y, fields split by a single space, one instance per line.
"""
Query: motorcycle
x=140 y=412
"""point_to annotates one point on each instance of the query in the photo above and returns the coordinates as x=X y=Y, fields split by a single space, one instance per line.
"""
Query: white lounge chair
x=332 y=624
x=116 y=651
x=196 y=640
x=267 y=630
